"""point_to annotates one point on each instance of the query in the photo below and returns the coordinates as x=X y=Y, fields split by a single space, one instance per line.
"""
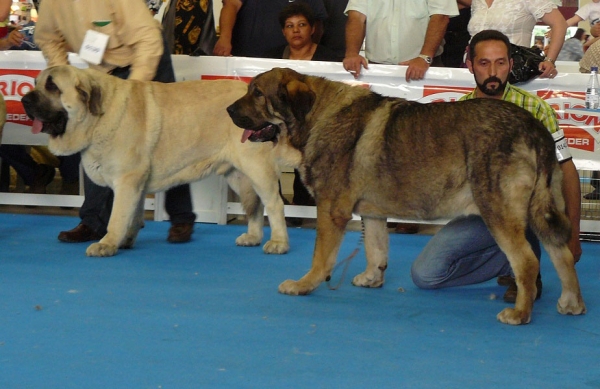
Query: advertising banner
x=565 y=93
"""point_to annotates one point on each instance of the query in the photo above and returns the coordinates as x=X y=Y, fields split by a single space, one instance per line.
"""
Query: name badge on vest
x=93 y=47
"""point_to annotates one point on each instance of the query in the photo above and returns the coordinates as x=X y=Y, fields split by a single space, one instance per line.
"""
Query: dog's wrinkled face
x=61 y=93
x=275 y=99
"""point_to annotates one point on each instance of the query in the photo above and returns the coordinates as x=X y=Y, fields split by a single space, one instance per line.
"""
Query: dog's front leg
x=125 y=203
x=134 y=228
x=330 y=231
x=376 y=247
x=266 y=184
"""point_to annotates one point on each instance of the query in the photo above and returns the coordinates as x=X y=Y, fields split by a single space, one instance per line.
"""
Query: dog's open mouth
x=54 y=128
x=264 y=134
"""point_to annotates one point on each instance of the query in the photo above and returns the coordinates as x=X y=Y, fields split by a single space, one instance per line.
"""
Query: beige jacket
x=134 y=36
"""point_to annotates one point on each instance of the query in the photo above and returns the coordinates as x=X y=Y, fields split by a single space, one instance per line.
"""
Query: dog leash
x=346 y=262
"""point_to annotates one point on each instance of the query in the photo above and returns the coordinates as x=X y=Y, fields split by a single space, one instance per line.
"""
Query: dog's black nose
x=231 y=110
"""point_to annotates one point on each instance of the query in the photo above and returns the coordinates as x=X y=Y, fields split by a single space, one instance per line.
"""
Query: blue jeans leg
x=463 y=252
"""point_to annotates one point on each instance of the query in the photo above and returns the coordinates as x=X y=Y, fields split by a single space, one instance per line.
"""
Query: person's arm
x=356 y=27
x=5 y=9
x=572 y=195
x=417 y=67
x=558 y=28
x=574 y=20
x=464 y=3
x=227 y=20
x=136 y=28
x=47 y=38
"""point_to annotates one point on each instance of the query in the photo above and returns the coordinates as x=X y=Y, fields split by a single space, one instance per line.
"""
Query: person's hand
x=352 y=64
x=222 y=48
x=15 y=38
x=548 y=69
x=417 y=67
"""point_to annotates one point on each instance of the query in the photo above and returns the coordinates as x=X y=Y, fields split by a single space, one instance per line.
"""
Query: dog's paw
x=101 y=250
x=294 y=288
x=571 y=304
x=368 y=280
x=127 y=244
x=275 y=247
x=247 y=240
x=513 y=317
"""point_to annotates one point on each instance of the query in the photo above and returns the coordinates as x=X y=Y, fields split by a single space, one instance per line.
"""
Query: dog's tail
x=547 y=216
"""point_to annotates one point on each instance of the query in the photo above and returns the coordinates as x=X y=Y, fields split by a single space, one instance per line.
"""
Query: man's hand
x=417 y=67
x=353 y=64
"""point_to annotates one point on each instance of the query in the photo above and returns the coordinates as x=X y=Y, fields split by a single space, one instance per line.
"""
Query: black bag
x=526 y=63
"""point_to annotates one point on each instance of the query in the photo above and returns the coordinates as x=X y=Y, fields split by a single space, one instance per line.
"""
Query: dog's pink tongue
x=37 y=126
x=246 y=135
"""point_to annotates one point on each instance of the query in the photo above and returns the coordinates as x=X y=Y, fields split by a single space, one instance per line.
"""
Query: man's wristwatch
x=426 y=58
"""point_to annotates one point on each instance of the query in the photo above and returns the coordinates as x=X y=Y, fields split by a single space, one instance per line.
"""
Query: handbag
x=526 y=63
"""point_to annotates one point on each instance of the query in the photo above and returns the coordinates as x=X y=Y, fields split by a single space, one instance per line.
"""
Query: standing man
x=463 y=252
x=121 y=38
x=250 y=28
x=397 y=32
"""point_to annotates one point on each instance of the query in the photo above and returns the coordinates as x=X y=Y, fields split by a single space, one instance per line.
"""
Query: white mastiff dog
x=142 y=137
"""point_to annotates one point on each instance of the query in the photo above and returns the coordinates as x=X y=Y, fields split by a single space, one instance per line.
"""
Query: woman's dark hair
x=487 y=35
x=294 y=9
x=579 y=33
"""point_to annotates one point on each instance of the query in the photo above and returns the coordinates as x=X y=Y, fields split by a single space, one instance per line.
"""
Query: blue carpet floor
x=207 y=315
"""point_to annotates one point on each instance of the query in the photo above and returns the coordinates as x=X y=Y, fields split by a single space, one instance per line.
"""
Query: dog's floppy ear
x=300 y=98
x=91 y=95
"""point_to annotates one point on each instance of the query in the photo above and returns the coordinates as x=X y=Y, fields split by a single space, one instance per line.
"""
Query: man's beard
x=492 y=91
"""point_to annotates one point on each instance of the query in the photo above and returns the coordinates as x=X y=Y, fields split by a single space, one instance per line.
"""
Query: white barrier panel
x=18 y=70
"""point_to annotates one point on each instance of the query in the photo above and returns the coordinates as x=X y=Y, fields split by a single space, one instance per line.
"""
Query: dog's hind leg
x=553 y=228
x=511 y=239
x=376 y=247
x=241 y=185
x=570 y=301
x=330 y=231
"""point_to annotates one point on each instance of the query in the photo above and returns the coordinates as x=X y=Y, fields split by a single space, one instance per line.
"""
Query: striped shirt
x=540 y=110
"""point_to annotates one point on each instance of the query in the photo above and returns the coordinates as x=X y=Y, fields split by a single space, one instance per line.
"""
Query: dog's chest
x=93 y=168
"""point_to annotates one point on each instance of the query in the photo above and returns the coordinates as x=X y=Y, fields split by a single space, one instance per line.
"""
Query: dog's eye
x=258 y=93
x=50 y=85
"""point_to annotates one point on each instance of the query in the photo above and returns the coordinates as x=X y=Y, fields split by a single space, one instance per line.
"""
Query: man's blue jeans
x=463 y=252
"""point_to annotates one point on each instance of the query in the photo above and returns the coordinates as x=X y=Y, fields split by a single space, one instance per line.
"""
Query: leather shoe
x=81 y=233
x=510 y=296
x=594 y=195
x=180 y=232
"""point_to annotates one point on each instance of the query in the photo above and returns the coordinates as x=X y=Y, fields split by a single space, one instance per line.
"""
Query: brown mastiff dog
x=143 y=137
x=371 y=155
